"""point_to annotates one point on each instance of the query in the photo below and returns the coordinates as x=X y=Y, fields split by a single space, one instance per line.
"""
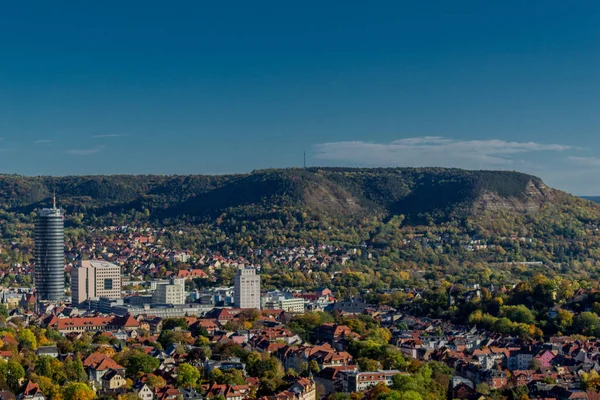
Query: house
x=361 y=381
x=463 y=391
x=190 y=394
x=51 y=351
x=32 y=392
x=98 y=364
x=495 y=379
x=113 y=380
x=330 y=378
x=545 y=358
x=302 y=389
x=229 y=392
x=167 y=393
x=521 y=377
x=352 y=306
x=143 y=391
x=520 y=361
x=331 y=332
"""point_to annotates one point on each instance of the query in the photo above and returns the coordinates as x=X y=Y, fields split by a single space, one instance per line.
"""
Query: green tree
x=77 y=391
x=13 y=372
x=368 y=364
x=138 y=362
x=27 y=339
x=172 y=323
x=187 y=375
x=43 y=366
x=155 y=381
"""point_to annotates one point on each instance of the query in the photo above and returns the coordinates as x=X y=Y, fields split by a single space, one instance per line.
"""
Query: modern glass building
x=50 y=254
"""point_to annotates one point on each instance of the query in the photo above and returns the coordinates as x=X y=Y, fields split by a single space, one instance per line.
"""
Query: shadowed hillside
x=434 y=194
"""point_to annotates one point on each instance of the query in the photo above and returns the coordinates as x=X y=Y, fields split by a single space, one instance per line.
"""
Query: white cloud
x=86 y=152
x=586 y=161
x=432 y=151
x=114 y=135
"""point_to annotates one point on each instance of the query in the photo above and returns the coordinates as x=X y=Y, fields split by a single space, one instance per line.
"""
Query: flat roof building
x=247 y=288
x=94 y=279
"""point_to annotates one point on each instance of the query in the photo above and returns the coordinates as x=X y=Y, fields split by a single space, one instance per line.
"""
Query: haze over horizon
x=141 y=88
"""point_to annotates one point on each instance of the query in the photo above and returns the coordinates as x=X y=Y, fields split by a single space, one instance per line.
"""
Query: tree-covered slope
x=433 y=221
x=433 y=194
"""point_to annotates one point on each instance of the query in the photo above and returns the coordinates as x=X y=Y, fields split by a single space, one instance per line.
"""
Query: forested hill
x=447 y=222
x=420 y=195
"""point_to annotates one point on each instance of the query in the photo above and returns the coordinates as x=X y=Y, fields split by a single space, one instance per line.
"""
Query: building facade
x=170 y=293
x=50 y=254
x=94 y=279
x=361 y=381
x=247 y=288
x=282 y=301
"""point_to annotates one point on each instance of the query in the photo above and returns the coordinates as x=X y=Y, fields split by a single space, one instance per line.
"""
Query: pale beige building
x=170 y=293
x=247 y=288
x=94 y=279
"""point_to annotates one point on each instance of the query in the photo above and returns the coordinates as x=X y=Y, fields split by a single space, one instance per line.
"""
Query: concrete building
x=277 y=300
x=247 y=288
x=50 y=254
x=170 y=293
x=94 y=279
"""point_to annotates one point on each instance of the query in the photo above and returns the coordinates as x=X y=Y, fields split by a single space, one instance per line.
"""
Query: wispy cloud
x=42 y=141
x=114 y=135
x=433 y=151
x=586 y=161
x=86 y=152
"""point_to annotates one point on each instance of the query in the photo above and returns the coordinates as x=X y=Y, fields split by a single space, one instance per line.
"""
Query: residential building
x=98 y=365
x=361 y=381
x=94 y=279
x=247 y=288
x=143 y=391
x=93 y=324
x=229 y=392
x=50 y=351
x=170 y=293
x=50 y=254
x=352 y=306
x=113 y=380
x=32 y=392
x=520 y=361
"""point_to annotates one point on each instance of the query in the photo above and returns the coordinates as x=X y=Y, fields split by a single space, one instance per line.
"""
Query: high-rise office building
x=94 y=279
x=247 y=288
x=50 y=254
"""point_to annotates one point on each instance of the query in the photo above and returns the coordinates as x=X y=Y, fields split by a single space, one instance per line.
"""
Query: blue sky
x=197 y=87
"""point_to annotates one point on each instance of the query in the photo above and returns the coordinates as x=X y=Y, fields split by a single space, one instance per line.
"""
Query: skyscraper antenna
x=54 y=199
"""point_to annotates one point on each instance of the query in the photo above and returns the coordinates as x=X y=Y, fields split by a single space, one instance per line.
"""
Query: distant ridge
x=419 y=194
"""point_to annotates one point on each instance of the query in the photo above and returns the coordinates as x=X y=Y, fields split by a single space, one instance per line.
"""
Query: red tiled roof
x=101 y=362
x=32 y=389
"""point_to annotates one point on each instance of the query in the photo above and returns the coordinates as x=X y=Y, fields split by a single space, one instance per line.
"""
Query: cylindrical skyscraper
x=50 y=254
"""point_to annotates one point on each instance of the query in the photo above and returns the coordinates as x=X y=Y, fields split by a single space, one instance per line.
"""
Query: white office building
x=247 y=288
x=285 y=301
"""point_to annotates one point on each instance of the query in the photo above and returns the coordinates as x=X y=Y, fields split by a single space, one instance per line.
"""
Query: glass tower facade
x=50 y=254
